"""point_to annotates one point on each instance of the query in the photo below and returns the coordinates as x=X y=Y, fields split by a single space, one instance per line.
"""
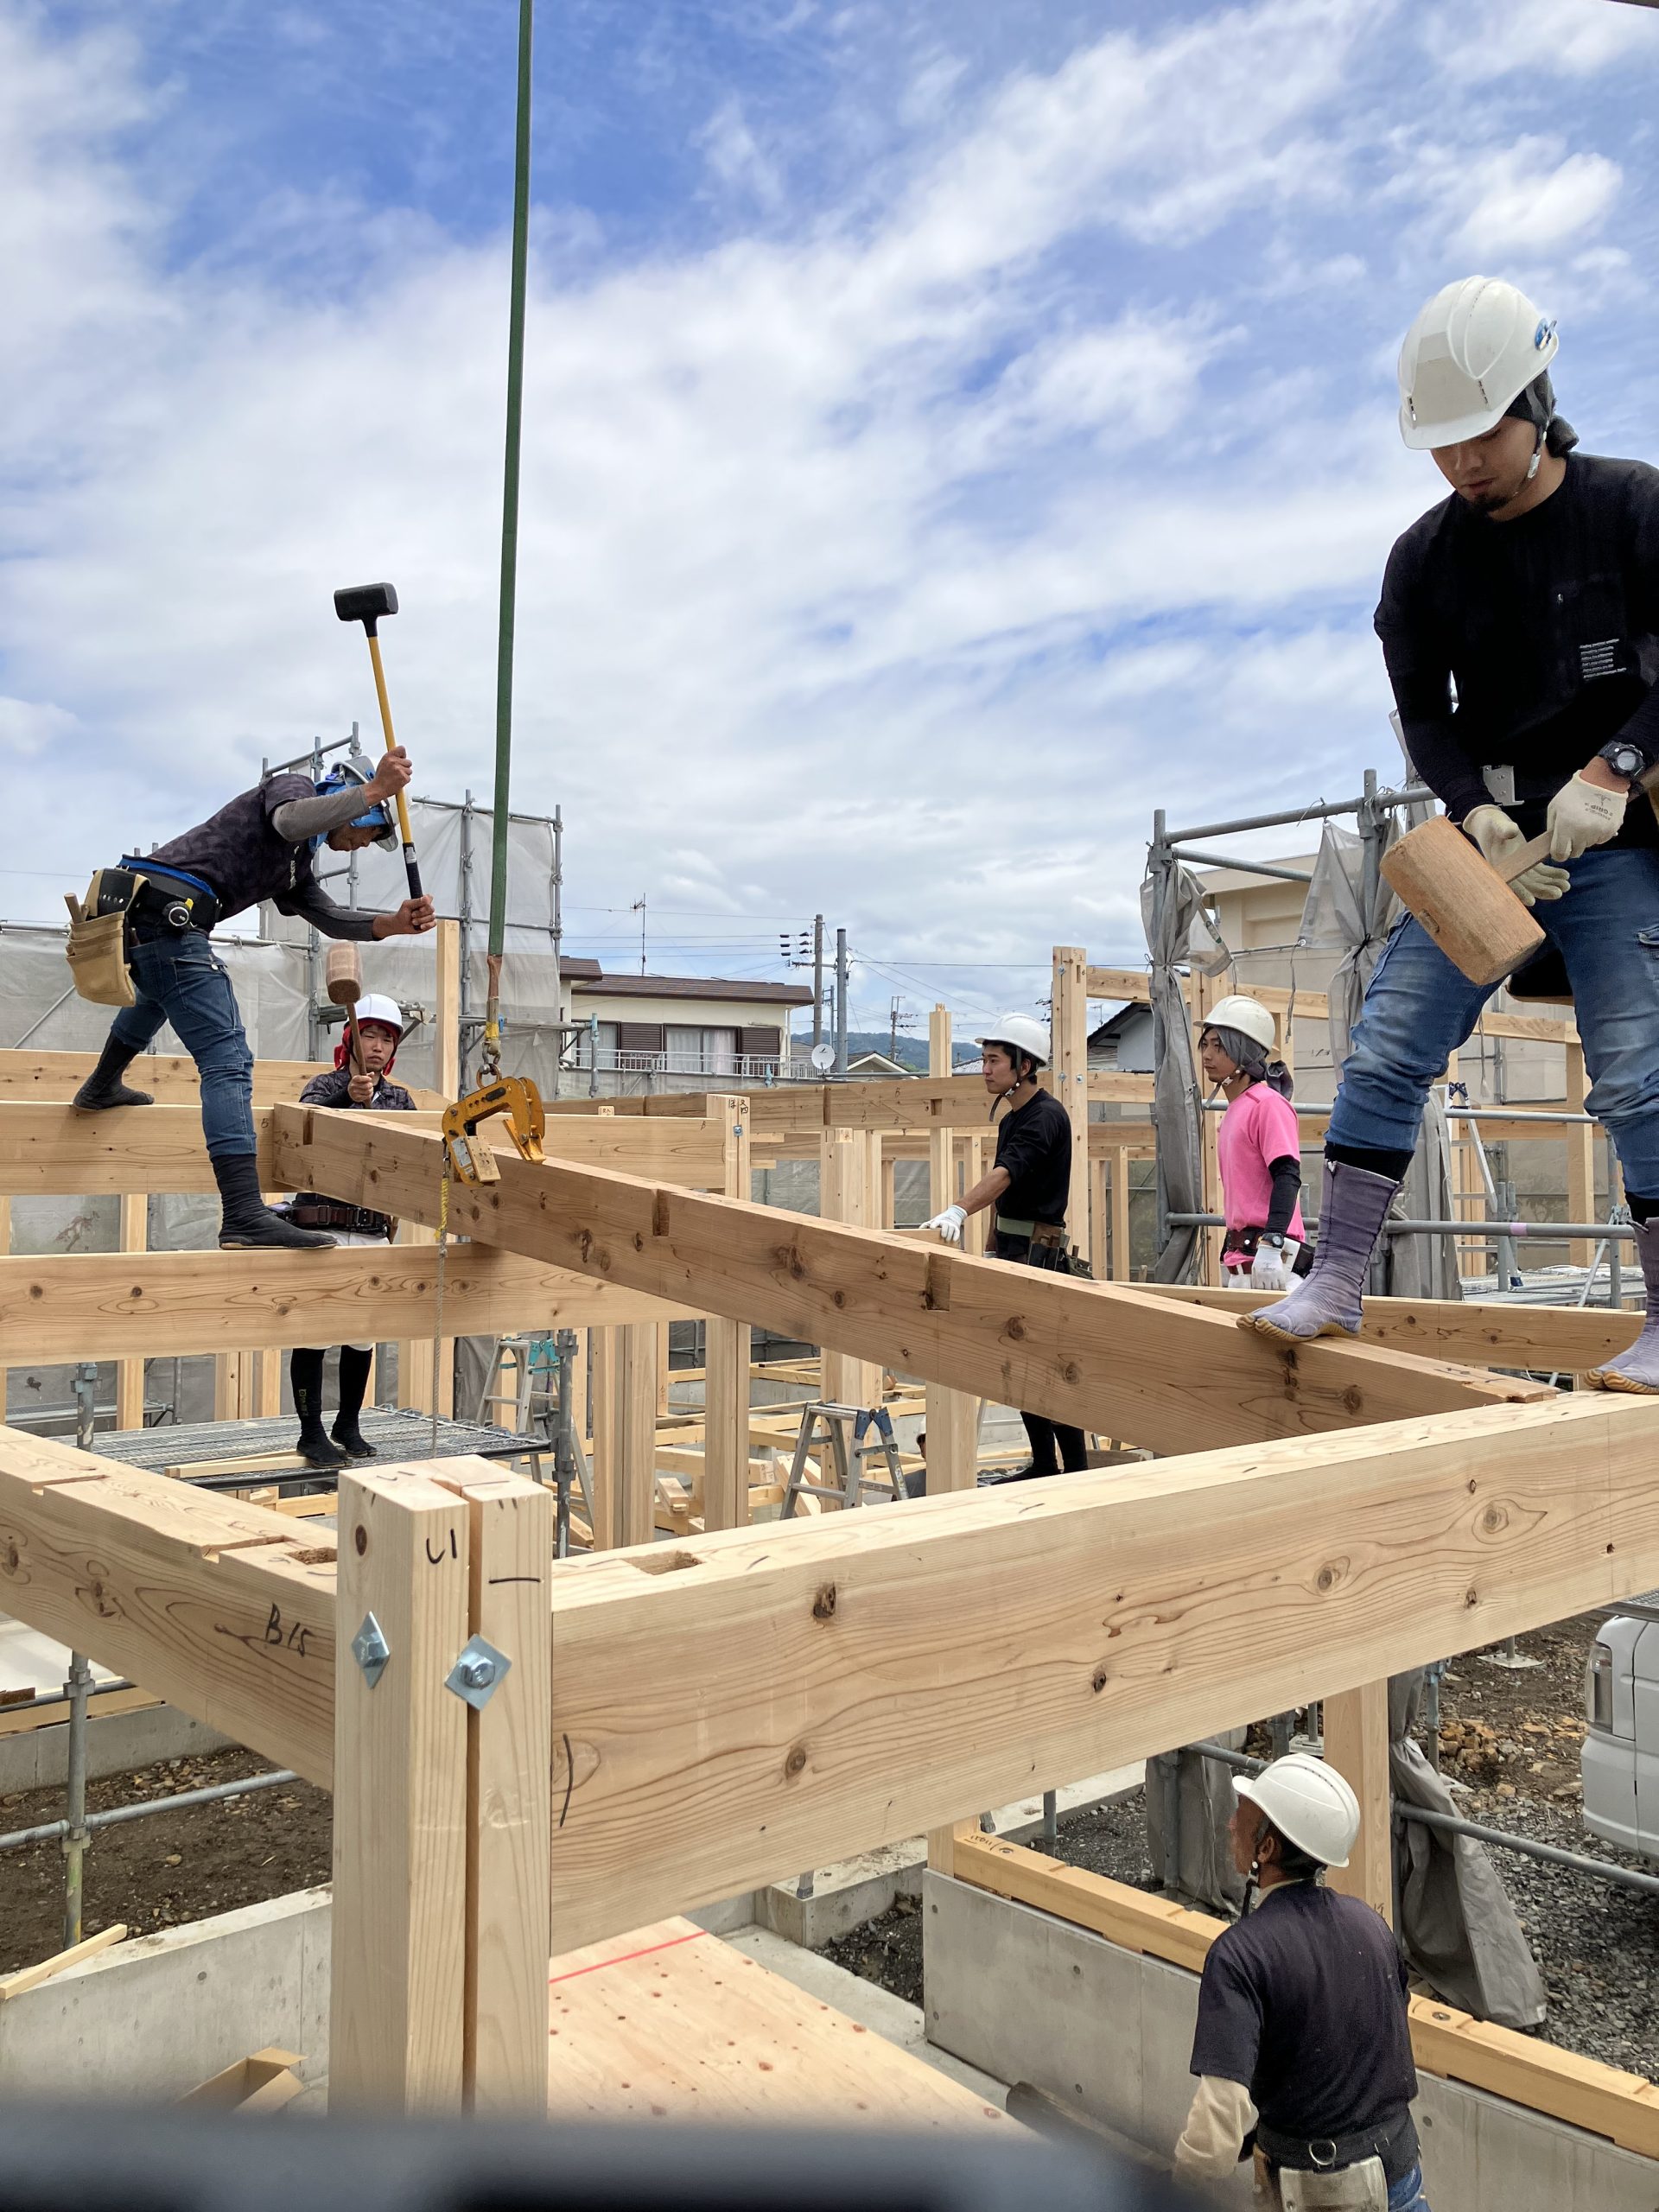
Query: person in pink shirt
x=1257 y=1146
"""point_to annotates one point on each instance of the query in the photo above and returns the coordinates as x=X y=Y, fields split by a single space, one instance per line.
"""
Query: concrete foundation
x=151 y=2018
x=1112 y=2031
x=116 y=1743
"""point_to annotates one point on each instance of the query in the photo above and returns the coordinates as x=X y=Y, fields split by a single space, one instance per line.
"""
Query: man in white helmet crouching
x=1303 y=2044
x=1519 y=623
x=1029 y=1186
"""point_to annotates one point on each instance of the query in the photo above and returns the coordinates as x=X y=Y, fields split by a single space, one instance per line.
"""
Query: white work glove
x=1582 y=815
x=949 y=1223
x=1273 y=1265
x=1499 y=839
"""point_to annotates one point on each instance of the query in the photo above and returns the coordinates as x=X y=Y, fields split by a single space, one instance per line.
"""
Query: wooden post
x=951 y=1416
x=889 y=1213
x=398 y=2002
x=1210 y=1241
x=634 y=1483
x=414 y=1371
x=725 y=1361
x=1580 y=1157
x=1121 y=1214
x=268 y=1384
x=978 y=1232
x=129 y=1373
x=1356 y=1745
x=509 y=1758
x=1069 y=1014
x=849 y=1184
x=227 y=1384
x=603 y=1411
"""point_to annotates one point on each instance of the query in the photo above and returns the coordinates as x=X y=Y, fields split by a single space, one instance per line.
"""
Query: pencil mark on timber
x=285 y=1636
x=569 y=1778
x=495 y=1580
x=436 y=1558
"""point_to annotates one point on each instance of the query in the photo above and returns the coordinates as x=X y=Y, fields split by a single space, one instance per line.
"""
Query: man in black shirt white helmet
x=1029 y=1186
x=1520 y=622
x=1303 y=2044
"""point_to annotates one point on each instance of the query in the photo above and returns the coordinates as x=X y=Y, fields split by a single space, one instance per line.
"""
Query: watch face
x=1624 y=759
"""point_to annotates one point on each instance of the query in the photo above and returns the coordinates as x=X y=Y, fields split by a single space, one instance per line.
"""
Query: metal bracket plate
x=477 y=1672
x=371 y=1650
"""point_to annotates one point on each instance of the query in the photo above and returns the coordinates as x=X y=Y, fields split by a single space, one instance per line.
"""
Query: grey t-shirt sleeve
x=312 y=903
x=297 y=819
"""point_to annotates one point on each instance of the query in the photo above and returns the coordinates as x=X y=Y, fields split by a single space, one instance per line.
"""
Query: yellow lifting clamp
x=471 y=1162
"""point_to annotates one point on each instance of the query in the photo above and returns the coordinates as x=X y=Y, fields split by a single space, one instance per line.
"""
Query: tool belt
x=310 y=1212
x=1045 y=1246
x=1393 y=2141
x=124 y=906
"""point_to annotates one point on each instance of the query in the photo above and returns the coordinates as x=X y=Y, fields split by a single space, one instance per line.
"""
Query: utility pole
x=639 y=909
x=817 y=981
x=840 y=1001
x=893 y=1031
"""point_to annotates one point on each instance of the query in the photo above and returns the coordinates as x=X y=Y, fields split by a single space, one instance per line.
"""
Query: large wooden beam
x=170 y=1079
x=154 y=1305
x=1103 y=1357
x=49 y=1147
x=965 y=1650
x=219 y=1608
x=1481 y=1334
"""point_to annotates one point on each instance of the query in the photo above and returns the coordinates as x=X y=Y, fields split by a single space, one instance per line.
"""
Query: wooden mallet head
x=343 y=981
x=1463 y=901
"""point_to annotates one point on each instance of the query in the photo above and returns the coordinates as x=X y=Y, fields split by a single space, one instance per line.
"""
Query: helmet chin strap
x=1537 y=452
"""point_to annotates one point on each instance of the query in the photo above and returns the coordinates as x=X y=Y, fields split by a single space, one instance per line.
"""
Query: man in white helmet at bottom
x=360 y=1078
x=1029 y=1186
x=1519 y=623
x=1303 y=2044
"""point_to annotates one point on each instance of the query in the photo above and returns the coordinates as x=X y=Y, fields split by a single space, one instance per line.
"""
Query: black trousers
x=1055 y=1449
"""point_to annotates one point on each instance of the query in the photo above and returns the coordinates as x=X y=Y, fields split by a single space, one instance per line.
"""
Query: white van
x=1620 y=1760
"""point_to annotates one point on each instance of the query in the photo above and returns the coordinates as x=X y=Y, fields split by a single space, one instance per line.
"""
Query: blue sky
x=952 y=431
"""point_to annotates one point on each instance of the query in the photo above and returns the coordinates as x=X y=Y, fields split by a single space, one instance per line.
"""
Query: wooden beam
x=1356 y=1745
x=170 y=1079
x=153 y=1305
x=52 y=1148
x=1070 y=1033
x=223 y=1610
x=1480 y=1333
x=1105 y=1358
x=1131 y=985
x=726 y=1364
x=397 y=1955
x=972 y=1650
x=1539 y=2076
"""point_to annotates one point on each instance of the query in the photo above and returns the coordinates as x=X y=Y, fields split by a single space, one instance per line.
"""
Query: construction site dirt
x=168 y=1869
x=1511 y=1740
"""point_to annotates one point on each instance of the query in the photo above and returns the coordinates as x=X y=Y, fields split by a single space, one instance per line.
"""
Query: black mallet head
x=366 y=603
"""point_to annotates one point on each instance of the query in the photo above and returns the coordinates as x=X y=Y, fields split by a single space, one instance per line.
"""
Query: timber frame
x=1319 y=1520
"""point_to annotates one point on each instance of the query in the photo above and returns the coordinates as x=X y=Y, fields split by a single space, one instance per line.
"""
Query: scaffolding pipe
x=21 y=1838
x=1472 y=1232
x=1453 y=1114
x=1244 y=868
x=9 y=1704
x=1410 y=795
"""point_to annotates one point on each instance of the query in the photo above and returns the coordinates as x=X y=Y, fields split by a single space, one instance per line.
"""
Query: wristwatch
x=1273 y=1239
x=1624 y=759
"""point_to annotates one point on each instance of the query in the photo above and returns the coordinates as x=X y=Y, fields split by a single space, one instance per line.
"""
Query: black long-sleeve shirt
x=1530 y=643
x=242 y=854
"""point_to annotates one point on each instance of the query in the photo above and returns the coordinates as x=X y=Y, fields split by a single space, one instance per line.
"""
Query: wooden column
x=415 y=1370
x=1207 y=990
x=976 y=1155
x=1121 y=1214
x=1356 y=1745
x=1580 y=1157
x=129 y=1373
x=603 y=1412
x=849 y=1181
x=509 y=1758
x=399 y=1973
x=951 y=1416
x=634 y=1460
x=889 y=1213
x=1099 y=1216
x=726 y=1364
x=1070 y=1032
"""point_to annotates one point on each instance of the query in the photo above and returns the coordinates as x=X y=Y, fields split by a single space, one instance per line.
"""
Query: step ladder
x=847 y=1430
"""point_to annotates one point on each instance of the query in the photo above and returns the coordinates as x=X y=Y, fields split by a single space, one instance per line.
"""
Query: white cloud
x=1530 y=199
x=1502 y=38
x=29 y=725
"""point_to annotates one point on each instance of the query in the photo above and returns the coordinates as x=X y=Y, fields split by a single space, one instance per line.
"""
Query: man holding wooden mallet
x=1520 y=622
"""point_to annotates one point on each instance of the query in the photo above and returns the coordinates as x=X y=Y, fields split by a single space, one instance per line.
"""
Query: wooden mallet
x=344 y=984
x=1463 y=901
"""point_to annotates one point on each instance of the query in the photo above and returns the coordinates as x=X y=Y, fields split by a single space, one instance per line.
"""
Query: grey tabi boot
x=1637 y=1370
x=1326 y=1302
x=104 y=1087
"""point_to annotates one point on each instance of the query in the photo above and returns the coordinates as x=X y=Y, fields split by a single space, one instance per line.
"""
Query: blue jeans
x=1421 y=1007
x=1406 y=2194
x=182 y=980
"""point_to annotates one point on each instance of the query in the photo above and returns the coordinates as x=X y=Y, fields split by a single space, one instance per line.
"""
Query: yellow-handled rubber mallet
x=366 y=603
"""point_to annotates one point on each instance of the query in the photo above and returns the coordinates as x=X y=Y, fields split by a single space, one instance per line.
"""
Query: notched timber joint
x=936 y=1288
x=659 y=1221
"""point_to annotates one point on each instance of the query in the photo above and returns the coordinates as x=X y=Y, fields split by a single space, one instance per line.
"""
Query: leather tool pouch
x=1050 y=1251
x=1360 y=2188
x=97 y=946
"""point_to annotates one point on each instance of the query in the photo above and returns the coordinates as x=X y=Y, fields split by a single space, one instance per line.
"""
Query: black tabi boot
x=104 y=1087
x=248 y=1221
x=354 y=1365
x=305 y=1373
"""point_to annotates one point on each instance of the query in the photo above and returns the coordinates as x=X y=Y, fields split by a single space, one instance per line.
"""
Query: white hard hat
x=373 y=1008
x=1019 y=1029
x=1472 y=349
x=1308 y=1803
x=1249 y=1016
